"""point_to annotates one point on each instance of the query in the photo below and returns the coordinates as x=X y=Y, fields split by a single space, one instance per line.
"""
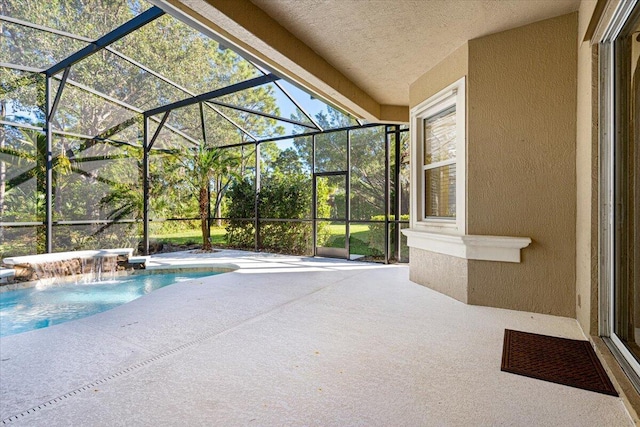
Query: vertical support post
x=397 y=188
x=314 y=196
x=145 y=186
x=256 y=213
x=204 y=139
x=49 y=167
x=387 y=190
x=347 y=237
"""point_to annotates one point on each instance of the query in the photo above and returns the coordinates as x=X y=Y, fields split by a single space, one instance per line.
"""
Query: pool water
x=28 y=309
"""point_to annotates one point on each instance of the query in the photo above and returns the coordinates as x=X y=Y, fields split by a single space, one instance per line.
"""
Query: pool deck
x=286 y=340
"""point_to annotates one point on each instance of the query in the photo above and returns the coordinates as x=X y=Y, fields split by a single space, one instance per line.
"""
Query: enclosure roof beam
x=238 y=87
x=260 y=113
x=291 y=98
x=109 y=38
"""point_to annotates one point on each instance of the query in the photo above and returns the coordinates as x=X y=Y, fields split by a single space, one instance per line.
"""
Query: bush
x=278 y=198
x=240 y=233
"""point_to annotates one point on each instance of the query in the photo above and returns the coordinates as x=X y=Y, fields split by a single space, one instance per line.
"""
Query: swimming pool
x=28 y=309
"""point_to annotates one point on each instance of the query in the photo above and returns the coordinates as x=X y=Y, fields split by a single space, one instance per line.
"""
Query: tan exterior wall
x=450 y=70
x=521 y=173
x=587 y=177
x=521 y=163
x=443 y=273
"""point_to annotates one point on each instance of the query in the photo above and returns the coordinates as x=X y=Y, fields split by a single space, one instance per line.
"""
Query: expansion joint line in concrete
x=130 y=369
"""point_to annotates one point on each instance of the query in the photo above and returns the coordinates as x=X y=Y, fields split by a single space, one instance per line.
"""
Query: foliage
x=240 y=229
x=104 y=179
x=376 y=232
x=199 y=167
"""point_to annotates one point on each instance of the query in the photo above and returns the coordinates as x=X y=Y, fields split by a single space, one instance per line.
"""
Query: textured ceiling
x=385 y=45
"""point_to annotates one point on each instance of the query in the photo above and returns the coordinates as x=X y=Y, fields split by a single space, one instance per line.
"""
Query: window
x=439 y=139
x=439 y=165
x=619 y=240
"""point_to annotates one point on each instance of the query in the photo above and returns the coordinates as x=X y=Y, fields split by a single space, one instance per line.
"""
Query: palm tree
x=202 y=166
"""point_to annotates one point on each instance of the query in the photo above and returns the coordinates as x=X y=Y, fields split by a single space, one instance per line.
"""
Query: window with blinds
x=439 y=164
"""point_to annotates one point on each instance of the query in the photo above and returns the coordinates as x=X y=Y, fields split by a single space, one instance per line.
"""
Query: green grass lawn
x=359 y=238
x=359 y=242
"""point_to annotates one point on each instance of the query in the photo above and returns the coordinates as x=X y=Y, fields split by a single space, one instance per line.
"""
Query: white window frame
x=612 y=21
x=454 y=94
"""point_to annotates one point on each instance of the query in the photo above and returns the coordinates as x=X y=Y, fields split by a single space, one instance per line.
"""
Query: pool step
x=7 y=275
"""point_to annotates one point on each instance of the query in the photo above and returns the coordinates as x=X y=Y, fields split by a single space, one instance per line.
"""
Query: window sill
x=485 y=248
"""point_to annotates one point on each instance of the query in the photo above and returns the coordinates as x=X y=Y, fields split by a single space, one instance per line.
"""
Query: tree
x=200 y=165
x=109 y=121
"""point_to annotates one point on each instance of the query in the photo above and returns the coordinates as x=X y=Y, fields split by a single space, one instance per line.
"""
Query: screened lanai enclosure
x=123 y=126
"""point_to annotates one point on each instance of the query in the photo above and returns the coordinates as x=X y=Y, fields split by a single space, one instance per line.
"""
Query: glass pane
x=331 y=197
x=18 y=241
x=331 y=152
x=440 y=192
x=440 y=136
x=368 y=173
x=626 y=312
x=290 y=237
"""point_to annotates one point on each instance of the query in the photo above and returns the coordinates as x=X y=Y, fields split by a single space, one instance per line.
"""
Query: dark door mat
x=558 y=360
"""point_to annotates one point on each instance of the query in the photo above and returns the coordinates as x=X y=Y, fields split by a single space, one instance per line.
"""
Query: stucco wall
x=443 y=273
x=448 y=71
x=521 y=163
x=586 y=177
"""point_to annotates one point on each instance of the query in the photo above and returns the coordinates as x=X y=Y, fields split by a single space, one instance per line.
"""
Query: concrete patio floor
x=288 y=341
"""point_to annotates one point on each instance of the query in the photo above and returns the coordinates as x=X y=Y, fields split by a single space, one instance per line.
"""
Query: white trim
x=485 y=248
x=454 y=94
x=612 y=22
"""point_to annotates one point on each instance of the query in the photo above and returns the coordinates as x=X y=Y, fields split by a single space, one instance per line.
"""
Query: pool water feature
x=24 y=310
